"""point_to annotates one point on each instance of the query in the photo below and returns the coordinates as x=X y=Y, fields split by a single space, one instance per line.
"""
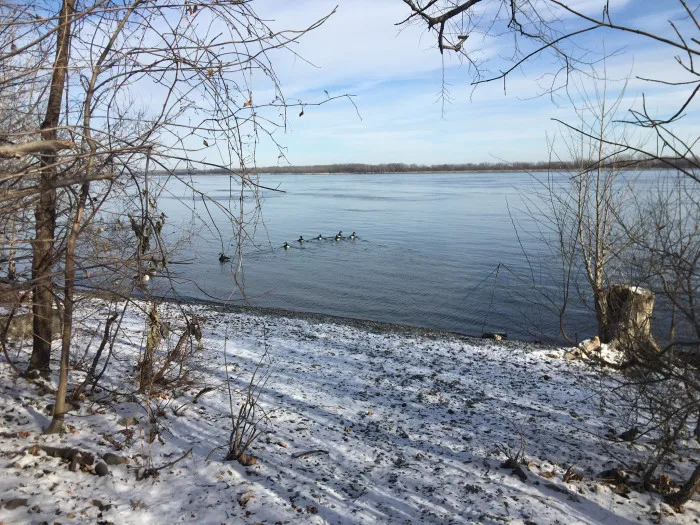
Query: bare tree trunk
x=59 y=410
x=605 y=331
x=11 y=265
x=45 y=212
x=686 y=491
x=152 y=341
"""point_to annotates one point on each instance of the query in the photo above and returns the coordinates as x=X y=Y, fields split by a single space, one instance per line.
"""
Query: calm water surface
x=433 y=250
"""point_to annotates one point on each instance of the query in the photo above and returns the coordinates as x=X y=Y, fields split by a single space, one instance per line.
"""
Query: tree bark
x=686 y=492
x=601 y=314
x=35 y=147
x=152 y=341
x=628 y=311
x=59 y=410
x=11 y=265
x=45 y=212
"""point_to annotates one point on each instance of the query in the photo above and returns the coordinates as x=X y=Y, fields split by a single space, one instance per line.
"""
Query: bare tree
x=207 y=63
x=617 y=237
x=539 y=27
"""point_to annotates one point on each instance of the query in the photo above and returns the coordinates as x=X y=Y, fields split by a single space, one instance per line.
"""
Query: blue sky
x=395 y=75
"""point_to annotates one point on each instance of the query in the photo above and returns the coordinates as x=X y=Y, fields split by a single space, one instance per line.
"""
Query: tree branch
x=35 y=147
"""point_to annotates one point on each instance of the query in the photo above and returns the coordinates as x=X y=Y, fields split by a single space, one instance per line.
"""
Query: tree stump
x=629 y=312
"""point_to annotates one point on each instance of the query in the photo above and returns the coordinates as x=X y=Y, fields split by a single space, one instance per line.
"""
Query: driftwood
x=15 y=503
x=67 y=453
x=75 y=458
x=114 y=442
x=35 y=147
x=299 y=455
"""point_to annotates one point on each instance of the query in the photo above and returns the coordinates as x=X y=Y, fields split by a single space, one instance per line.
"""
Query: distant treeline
x=400 y=167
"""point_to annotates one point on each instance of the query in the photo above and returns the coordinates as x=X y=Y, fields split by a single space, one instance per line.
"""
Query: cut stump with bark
x=629 y=311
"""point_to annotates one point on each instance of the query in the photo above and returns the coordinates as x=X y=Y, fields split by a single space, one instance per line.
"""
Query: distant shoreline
x=397 y=172
x=523 y=171
x=389 y=172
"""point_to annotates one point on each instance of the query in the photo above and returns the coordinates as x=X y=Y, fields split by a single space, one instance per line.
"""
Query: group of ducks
x=320 y=237
x=225 y=258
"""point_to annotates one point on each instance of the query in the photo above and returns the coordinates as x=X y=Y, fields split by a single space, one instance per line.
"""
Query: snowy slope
x=415 y=425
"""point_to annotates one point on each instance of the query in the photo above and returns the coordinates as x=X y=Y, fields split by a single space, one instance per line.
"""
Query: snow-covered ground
x=415 y=425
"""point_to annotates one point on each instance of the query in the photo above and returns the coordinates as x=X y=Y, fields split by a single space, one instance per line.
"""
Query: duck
x=223 y=258
x=338 y=237
x=353 y=235
x=320 y=237
x=300 y=239
x=286 y=245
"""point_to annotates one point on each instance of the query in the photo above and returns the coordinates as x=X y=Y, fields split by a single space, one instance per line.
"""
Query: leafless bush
x=169 y=355
x=514 y=458
x=177 y=364
x=248 y=422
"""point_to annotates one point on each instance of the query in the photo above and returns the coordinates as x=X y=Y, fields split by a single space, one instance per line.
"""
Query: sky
x=395 y=76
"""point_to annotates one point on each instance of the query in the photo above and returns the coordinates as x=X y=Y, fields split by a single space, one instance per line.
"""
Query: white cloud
x=396 y=74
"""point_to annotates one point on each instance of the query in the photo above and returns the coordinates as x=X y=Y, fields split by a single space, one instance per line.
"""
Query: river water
x=448 y=251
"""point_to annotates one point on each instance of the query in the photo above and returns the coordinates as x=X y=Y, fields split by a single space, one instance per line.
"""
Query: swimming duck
x=338 y=237
x=353 y=235
x=300 y=239
x=223 y=258
x=286 y=246
x=320 y=237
